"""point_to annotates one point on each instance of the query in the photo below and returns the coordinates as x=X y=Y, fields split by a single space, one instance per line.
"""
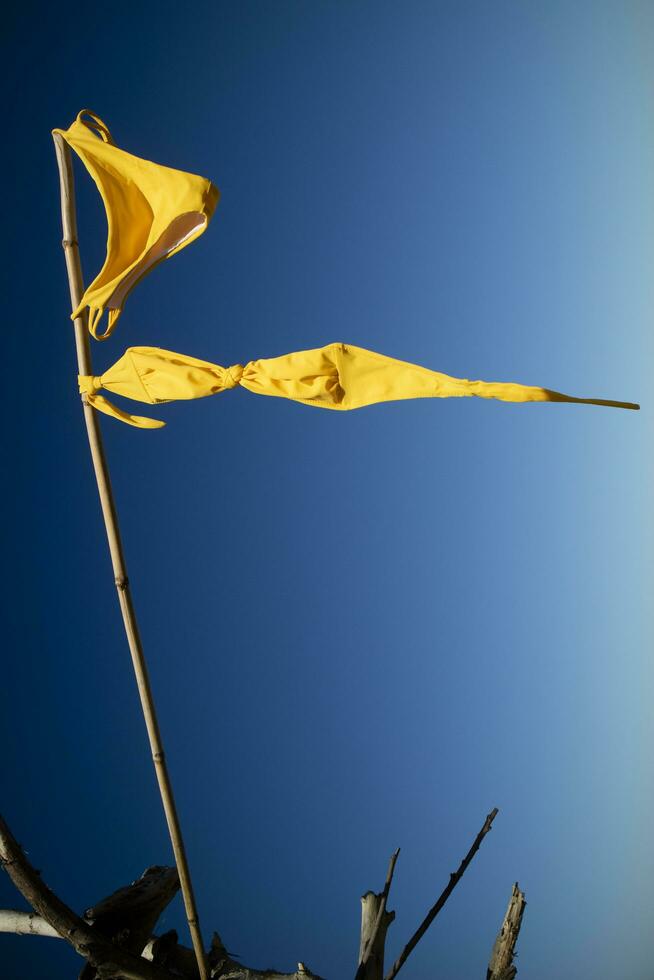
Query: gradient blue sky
x=364 y=630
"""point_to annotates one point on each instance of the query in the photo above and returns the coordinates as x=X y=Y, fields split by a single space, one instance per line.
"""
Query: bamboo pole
x=75 y=282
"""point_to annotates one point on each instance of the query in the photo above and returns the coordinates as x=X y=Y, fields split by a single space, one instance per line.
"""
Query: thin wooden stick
x=75 y=282
x=455 y=877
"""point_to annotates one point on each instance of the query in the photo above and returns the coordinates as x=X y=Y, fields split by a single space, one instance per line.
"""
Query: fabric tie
x=90 y=384
x=232 y=376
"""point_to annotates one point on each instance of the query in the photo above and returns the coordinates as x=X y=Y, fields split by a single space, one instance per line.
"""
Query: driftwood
x=26 y=924
x=375 y=921
x=109 y=935
x=109 y=959
x=115 y=935
x=501 y=966
x=222 y=965
x=127 y=917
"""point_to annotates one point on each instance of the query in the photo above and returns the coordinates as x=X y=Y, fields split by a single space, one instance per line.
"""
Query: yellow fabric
x=339 y=376
x=152 y=212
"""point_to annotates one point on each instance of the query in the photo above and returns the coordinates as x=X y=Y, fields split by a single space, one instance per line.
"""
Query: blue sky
x=364 y=630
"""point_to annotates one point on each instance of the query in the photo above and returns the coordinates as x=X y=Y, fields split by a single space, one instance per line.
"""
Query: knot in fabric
x=232 y=376
x=89 y=384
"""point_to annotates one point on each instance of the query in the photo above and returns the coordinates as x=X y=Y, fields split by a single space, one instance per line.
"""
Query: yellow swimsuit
x=339 y=376
x=152 y=212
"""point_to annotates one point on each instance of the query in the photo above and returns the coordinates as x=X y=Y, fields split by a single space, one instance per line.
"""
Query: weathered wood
x=109 y=960
x=375 y=921
x=117 y=924
x=161 y=950
x=128 y=916
x=130 y=913
x=146 y=897
x=501 y=966
x=26 y=924
x=101 y=469
x=455 y=878
x=162 y=958
x=222 y=965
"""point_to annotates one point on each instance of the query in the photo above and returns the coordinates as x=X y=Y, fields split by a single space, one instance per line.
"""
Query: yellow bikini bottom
x=339 y=377
x=152 y=212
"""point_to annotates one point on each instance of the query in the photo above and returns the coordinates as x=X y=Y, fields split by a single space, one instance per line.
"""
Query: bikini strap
x=95 y=316
x=96 y=125
x=89 y=386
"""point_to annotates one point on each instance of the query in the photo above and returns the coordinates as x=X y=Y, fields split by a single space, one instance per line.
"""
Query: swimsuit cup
x=152 y=212
x=339 y=376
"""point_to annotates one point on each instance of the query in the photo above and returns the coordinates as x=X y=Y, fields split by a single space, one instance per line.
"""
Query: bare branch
x=162 y=950
x=128 y=916
x=501 y=965
x=382 y=905
x=110 y=960
x=26 y=924
x=369 y=940
x=455 y=877
x=373 y=969
x=135 y=903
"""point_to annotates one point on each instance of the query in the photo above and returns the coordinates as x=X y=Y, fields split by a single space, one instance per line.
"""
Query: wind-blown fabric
x=152 y=212
x=339 y=376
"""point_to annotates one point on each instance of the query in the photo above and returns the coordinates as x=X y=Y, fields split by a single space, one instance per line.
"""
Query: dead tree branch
x=455 y=877
x=108 y=960
x=115 y=935
x=371 y=907
x=501 y=965
x=26 y=924
x=375 y=921
x=163 y=950
x=127 y=917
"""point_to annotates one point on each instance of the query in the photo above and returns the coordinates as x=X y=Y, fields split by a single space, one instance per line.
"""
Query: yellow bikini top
x=152 y=212
x=339 y=376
